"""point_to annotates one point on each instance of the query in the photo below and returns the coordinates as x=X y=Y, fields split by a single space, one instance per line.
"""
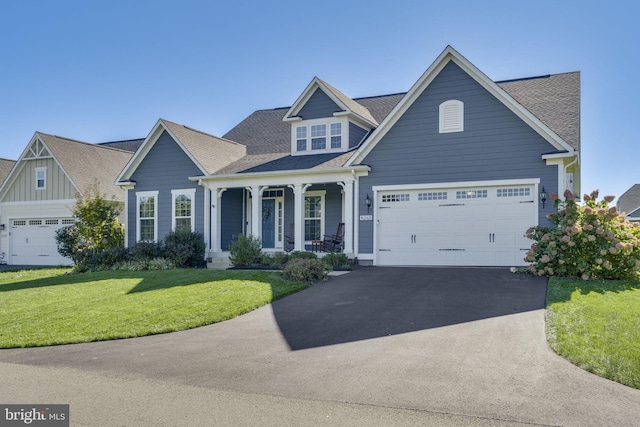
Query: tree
x=97 y=227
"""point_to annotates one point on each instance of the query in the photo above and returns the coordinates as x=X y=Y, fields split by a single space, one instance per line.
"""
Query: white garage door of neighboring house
x=32 y=241
x=468 y=226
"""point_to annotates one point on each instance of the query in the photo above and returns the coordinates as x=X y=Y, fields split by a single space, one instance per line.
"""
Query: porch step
x=218 y=261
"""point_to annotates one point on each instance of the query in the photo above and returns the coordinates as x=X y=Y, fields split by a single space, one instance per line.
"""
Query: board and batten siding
x=23 y=188
x=495 y=145
x=166 y=167
x=319 y=106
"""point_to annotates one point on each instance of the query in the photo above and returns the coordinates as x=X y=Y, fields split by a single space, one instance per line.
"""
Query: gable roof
x=554 y=99
x=551 y=104
x=209 y=153
x=130 y=145
x=86 y=163
x=348 y=105
x=629 y=202
x=264 y=132
x=451 y=55
x=83 y=163
x=5 y=168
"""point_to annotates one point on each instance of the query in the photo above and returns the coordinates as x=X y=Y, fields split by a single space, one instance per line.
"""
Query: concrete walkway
x=379 y=346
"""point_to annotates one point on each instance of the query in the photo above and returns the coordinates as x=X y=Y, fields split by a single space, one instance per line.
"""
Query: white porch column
x=298 y=216
x=347 y=187
x=255 y=211
x=216 y=218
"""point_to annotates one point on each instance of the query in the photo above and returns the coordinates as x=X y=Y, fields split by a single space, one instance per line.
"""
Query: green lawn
x=596 y=325
x=49 y=306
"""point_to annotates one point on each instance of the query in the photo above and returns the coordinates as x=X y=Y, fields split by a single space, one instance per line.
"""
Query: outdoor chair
x=333 y=242
x=289 y=239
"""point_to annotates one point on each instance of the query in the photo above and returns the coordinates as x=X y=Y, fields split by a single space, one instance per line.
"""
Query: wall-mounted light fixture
x=543 y=197
x=367 y=201
x=1 y=227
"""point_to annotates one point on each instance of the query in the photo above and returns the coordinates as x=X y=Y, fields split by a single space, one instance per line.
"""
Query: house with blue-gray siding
x=450 y=172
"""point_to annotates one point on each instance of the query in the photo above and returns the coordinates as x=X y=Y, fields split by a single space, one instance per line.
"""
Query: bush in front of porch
x=246 y=252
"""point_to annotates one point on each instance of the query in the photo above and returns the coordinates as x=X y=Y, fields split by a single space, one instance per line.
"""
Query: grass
x=48 y=306
x=596 y=325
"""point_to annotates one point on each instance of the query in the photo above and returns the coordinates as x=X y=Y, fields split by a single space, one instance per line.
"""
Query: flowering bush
x=591 y=241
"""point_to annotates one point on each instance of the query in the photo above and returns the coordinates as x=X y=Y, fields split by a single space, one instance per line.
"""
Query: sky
x=107 y=71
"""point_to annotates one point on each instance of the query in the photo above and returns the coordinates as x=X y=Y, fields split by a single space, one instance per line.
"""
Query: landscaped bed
x=596 y=325
x=49 y=306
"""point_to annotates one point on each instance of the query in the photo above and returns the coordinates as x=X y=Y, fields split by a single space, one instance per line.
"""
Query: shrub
x=147 y=250
x=305 y=270
x=302 y=255
x=279 y=259
x=335 y=260
x=184 y=248
x=246 y=251
x=591 y=241
x=102 y=260
x=97 y=227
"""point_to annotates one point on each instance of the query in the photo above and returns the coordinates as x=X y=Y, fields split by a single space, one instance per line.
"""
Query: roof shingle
x=87 y=163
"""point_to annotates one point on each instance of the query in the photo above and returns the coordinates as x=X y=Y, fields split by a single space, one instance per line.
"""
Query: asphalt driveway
x=404 y=346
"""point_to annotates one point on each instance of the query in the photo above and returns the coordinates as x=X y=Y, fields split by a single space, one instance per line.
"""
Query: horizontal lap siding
x=166 y=167
x=319 y=106
x=356 y=133
x=495 y=145
x=231 y=227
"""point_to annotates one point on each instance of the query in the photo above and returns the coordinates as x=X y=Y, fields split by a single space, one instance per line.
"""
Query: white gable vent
x=451 y=116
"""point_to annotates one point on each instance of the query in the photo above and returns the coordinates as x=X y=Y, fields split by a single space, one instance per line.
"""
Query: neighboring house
x=448 y=173
x=5 y=167
x=39 y=193
x=629 y=203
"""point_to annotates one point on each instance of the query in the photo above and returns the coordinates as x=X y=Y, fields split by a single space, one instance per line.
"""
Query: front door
x=268 y=223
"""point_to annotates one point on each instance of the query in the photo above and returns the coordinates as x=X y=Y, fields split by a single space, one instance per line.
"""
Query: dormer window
x=336 y=135
x=319 y=136
x=301 y=138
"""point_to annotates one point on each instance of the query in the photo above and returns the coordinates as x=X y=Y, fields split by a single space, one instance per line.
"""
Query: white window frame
x=189 y=192
x=451 y=116
x=327 y=122
x=42 y=169
x=140 y=195
x=321 y=194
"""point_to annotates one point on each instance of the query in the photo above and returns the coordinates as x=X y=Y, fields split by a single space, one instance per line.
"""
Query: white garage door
x=472 y=226
x=32 y=241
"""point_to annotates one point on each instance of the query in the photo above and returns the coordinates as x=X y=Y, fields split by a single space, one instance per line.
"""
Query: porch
x=292 y=212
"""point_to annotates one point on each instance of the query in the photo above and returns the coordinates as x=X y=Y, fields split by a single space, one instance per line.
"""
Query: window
x=471 y=194
x=318 y=137
x=313 y=221
x=336 y=135
x=451 y=116
x=301 y=138
x=147 y=211
x=514 y=192
x=41 y=178
x=391 y=198
x=433 y=195
x=183 y=201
